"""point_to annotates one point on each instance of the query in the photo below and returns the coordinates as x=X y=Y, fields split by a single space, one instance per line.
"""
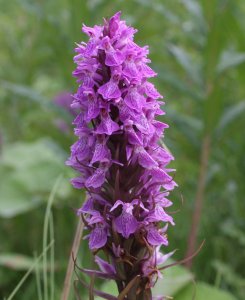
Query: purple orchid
x=119 y=158
x=125 y=223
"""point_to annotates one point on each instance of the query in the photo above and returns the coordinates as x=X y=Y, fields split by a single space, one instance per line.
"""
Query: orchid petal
x=97 y=238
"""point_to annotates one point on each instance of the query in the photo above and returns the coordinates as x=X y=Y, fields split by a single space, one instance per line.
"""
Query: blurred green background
x=198 y=49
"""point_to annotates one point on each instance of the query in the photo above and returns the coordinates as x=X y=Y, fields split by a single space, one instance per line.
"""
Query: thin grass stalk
x=70 y=267
x=52 y=257
x=45 y=236
x=38 y=279
x=196 y=217
x=18 y=286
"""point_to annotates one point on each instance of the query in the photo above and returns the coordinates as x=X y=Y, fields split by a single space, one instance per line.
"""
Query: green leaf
x=189 y=126
x=184 y=59
x=195 y=9
x=203 y=291
x=109 y=287
x=231 y=229
x=24 y=91
x=14 y=197
x=31 y=168
x=228 y=274
x=174 y=279
x=178 y=84
x=16 y=261
x=34 y=96
x=230 y=115
x=230 y=60
x=24 y=155
x=160 y=9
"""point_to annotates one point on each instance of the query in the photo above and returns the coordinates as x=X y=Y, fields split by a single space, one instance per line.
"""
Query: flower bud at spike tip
x=119 y=158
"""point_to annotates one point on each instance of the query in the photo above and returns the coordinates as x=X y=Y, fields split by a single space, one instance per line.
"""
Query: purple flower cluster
x=118 y=154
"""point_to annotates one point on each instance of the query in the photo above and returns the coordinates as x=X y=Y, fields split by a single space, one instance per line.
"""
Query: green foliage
x=16 y=261
x=179 y=284
x=174 y=279
x=197 y=48
x=203 y=291
x=31 y=169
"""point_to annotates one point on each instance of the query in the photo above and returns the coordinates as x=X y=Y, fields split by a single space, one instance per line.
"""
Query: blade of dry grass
x=70 y=267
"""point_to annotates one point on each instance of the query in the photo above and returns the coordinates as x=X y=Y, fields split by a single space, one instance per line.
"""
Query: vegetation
x=197 y=48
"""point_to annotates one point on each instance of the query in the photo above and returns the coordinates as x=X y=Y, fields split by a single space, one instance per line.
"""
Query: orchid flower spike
x=119 y=157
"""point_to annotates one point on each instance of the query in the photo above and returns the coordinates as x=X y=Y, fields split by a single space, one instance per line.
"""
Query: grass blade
x=16 y=289
x=52 y=255
x=45 y=235
x=38 y=280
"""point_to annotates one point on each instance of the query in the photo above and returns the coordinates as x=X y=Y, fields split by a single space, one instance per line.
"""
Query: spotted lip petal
x=78 y=182
x=87 y=206
x=130 y=69
x=110 y=90
x=97 y=238
x=159 y=215
x=96 y=179
x=134 y=100
x=107 y=126
x=101 y=152
x=126 y=224
x=155 y=238
x=114 y=58
x=145 y=159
